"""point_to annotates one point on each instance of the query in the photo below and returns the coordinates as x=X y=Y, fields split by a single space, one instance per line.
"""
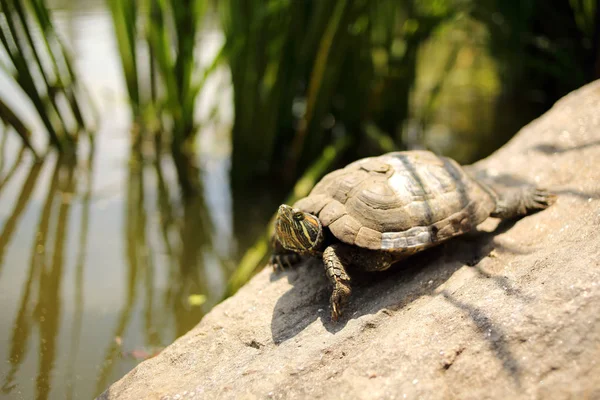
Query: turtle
x=379 y=210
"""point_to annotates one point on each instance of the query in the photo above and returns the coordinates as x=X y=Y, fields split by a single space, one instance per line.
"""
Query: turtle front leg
x=337 y=257
x=281 y=257
x=517 y=202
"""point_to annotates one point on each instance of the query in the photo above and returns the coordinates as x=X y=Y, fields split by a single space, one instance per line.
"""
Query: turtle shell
x=400 y=202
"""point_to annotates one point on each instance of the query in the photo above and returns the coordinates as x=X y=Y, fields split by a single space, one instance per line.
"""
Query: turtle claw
x=339 y=298
x=280 y=262
x=335 y=312
x=275 y=263
x=540 y=199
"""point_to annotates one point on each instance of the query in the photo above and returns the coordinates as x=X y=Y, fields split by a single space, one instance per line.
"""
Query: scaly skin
x=336 y=273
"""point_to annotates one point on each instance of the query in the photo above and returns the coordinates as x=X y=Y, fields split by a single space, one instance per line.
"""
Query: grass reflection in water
x=167 y=258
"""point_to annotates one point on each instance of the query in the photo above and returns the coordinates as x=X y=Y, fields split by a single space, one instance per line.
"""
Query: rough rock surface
x=512 y=311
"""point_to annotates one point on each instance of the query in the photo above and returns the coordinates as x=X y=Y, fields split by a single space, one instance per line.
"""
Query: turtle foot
x=519 y=202
x=539 y=199
x=280 y=262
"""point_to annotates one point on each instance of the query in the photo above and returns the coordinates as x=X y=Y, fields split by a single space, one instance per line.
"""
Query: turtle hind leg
x=336 y=258
x=517 y=202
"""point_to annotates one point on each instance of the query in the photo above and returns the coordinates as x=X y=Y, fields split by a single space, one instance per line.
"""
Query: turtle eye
x=298 y=216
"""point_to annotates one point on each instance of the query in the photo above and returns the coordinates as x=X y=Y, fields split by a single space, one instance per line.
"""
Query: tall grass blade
x=51 y=87
x=42 y=71
x=66 y=78
x=316 y=79
x=11 y=119
x=124 y=18
x=12 y=43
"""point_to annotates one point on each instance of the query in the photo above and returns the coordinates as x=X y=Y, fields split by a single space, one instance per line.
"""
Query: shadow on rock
x=499 y=181
x=494 y=335
x=394 y=289
x=300 y=306
x=550 y=148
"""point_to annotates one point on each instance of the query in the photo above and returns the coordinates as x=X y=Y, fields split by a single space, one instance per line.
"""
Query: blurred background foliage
x=314 y=83
x=307 y=72
x=381 y=73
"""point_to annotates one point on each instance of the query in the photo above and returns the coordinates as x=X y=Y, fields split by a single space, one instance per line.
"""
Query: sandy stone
x=511 y=311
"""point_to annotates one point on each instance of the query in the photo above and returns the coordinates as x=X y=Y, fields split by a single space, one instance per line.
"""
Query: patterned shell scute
x=400 y=202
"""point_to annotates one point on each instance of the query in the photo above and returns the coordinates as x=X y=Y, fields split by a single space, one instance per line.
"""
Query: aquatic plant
x=165 y=32
x=306 y=72
x=36 y=59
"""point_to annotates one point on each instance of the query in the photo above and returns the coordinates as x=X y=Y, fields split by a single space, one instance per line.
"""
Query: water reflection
x=22 y=324
x=10 y=224
x=15 y=166
x=78 y=297
x=48 y=308
x=102 y=262
x=178 y=253
x=171 y=273
x=41 y=308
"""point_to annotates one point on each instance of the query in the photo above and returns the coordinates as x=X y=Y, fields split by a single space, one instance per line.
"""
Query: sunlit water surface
x=102 y=267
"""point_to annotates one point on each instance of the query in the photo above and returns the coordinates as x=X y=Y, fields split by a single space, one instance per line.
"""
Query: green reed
x=163 y=90
x=38 y=62
x=307 y=72
x=124 y=16
x=10 y=118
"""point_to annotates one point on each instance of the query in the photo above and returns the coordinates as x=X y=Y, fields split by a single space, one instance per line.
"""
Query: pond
x=101 y=263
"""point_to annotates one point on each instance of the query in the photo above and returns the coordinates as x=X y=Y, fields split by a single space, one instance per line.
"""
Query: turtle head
x=298 y=231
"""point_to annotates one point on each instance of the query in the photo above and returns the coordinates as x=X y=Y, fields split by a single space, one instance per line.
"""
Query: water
x=101 y=263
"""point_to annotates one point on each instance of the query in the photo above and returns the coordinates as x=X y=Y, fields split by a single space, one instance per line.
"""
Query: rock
x=510 y=311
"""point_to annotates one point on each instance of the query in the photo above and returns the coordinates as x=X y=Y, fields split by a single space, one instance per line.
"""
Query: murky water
x=101 y=263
